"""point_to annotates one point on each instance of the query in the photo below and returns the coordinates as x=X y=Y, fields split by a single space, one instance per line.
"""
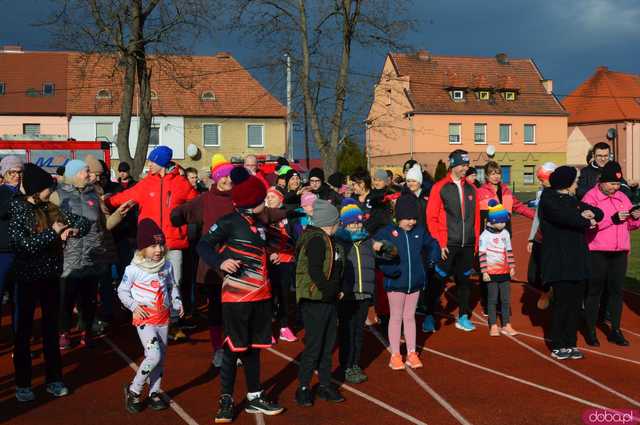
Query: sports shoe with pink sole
x=286 y=334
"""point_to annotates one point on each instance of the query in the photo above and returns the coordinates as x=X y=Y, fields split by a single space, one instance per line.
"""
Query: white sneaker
x=217 y=358
x=57 y=389
x=25 y=394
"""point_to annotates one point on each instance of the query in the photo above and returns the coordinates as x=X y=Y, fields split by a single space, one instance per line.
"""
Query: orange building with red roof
x=606 y=100
x=426 y=106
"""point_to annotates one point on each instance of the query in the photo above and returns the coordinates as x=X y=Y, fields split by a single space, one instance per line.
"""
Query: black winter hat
x=124 y=167
x=406 y=207
x=563 y=177
x=149 y=233
x=336 y=180
x=35 y=179
x=611 y=173
x=317 y=173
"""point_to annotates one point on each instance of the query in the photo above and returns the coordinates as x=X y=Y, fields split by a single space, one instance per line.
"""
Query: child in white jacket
x=149 y=290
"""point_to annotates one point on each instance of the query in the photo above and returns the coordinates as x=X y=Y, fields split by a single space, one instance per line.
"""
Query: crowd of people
x=367 y=249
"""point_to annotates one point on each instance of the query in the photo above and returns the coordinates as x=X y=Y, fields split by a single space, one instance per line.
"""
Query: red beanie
x=149 y=234
x=248 y=191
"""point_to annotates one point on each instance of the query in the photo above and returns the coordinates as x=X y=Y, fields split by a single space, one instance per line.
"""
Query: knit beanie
x=324 y=213
x=407 y=207
x=317 y=173
x=277 y=192
x=545 y=170
x=414 y=173
x=458 y=158
x=248 y=191
x=563 y=177
x=73 y=167
x=149 y=234
x=290 y=174
x=408 y=164
x=93 y=164
x=124 y=167
x=497 y=213
x=10 y=162
x=220 y=167
x=283 y=170
x=336 y=179
x=611 y=173
x=35 y=179
x=350 y=212
x=161 y=155
x=307 y=198
x=380 y=174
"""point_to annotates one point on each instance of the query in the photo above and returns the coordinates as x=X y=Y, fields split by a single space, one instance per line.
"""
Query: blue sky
x=568 y=39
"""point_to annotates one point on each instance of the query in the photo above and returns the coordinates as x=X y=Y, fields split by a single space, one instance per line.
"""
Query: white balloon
x=192 y=150
x=491 y=150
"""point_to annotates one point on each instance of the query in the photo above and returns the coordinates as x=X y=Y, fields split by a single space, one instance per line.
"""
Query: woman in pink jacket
x=609 y=244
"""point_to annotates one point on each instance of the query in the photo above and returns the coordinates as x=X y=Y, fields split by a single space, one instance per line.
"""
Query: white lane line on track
x=174 y=406
x=367 y=397
x=444 y=403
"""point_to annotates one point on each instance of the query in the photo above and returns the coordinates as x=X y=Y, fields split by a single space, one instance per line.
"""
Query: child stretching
x=150 y=292
x=497 y=266
x=405 y=277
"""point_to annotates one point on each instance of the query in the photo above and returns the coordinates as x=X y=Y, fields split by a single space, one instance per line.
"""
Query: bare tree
x=320 y=37
x=132 y=30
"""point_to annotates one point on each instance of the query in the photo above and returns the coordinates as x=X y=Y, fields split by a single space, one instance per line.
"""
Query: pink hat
x=307 y=199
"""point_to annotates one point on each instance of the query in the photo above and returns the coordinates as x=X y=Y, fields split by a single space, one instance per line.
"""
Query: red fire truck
x=51 y=154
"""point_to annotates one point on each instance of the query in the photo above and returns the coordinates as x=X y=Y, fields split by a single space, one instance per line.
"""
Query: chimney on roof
x=423 y=55
x=223 y=55
x=602 y=69
x=12 y=48
x=502 y=58
x=548 y=86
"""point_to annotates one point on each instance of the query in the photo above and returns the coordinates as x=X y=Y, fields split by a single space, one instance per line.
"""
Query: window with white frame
x=31 y=129
x=480 y=133
x=255 y=135
x=48 y=89
x=455 y=133
x=211 y=134
x=529 y=134
x=505 y=134
x=528 y=174
x=457 y=95
x=154 y=135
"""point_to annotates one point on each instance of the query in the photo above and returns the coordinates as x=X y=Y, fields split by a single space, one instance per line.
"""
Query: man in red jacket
x=157 y=195
x=453 y=218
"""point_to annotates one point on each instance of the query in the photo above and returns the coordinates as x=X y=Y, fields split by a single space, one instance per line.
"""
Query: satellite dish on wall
x=192 y=151
x=491 y=151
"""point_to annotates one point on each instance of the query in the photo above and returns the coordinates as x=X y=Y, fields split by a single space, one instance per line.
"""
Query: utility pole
x=289 y=101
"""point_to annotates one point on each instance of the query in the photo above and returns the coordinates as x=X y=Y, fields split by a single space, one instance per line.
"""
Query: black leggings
x=608 y=270
x=459 y=263
x=251 y=365
x=214 y=307
x=534 y=272
x=84 y=290
x=281 y=277
x=567 y=300
x=351 y=317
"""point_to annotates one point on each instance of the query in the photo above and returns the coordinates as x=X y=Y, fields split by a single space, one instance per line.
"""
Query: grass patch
x=633 y=270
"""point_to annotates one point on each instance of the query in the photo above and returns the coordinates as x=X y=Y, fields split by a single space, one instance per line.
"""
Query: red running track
x=468 y=378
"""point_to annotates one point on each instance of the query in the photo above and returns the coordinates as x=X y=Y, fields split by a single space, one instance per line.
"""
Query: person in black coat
x=590 y=174
x=565 y=256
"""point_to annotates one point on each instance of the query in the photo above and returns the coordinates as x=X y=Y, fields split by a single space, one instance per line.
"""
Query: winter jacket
x=611 y=234
x=239 y=236
x=589 y=177
x=7 y=194
x=156 y=197
x=488 y=191
x=281 y=240
x=451 y=222
x=495 y=252
x=381 y=213
x=328 y=194
x=156 y=292
x=565 y=255
x=406 y=273
x=423 y=199
x=359 y=275
x=39 y=252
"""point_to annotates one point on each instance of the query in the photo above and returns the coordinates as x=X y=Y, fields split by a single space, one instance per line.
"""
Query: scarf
x=345 y=235
x=148 y=265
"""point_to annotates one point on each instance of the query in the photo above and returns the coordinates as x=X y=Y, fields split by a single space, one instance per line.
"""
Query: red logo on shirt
x=394 y=233
x=90 y=202
x=155 y=284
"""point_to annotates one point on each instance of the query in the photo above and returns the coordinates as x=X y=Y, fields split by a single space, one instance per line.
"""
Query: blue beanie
x=350 y=212
x=73 y=167
x=497 y=213
x=161 y=155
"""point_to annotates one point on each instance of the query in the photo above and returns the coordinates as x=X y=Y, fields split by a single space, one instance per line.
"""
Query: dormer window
x=457 y=95
x=207 y=96
x=484 y=95
x=103 y=94
x=509 y=95
x=154 y=95
x=48 y=89
x=2 y=88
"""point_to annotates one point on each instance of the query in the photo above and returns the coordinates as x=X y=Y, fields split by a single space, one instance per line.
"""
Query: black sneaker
x=132 y=401
x=304 y=397
x=225 y=410
x=576 y=354
x=617 y=338
x=591 y=339
x=187 y=323
x=157 y=402
x=261 y=405
x=329 y=393
x=561 y=354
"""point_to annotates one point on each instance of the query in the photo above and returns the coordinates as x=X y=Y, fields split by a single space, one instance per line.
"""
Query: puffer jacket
x=611 y=234
x=406 y=273
x=156 y=197
x=359 y=276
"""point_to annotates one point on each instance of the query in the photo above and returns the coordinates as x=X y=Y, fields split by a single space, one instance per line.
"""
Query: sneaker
x=286 y=334
x=508 y=330
x=239 y=363
x=463 y=323
x=217 y=358
x=264 y=406
x=413 y=361
x=157 y=402
x=187 y=323
x=494 y=330
x=428 y=324
x=616 y=337
x=576 y=354
x=361 y=377
x=329 y=393
x=304 y=397
x=25 y=394
x=396 y=362
x=57 y=389
x=176 y=334
x=592 y=339
x=132 y=401
x=561 y=354
x=64 y=341
x=225 y=410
